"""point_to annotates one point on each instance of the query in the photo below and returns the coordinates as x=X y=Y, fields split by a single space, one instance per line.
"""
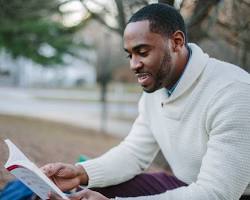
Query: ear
x=178 y=41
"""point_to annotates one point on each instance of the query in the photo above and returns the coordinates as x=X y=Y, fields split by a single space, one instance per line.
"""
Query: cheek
x=152 y=62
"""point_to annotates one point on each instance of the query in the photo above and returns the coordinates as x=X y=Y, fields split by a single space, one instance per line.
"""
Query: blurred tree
x=33 y=29
x=200 y=13
x=125 y=8
x=216 y=20
x=234 y=26
x=114 y=16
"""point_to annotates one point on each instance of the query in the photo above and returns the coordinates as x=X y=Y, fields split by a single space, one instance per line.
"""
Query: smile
x=143 y=78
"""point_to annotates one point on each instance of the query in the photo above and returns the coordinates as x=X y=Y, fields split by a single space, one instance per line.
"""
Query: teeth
x=142 y=75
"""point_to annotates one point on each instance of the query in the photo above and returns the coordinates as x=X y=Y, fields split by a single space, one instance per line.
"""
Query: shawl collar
x=196 y=64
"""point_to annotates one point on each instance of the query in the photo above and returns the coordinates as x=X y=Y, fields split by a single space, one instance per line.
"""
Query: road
x=74 y=107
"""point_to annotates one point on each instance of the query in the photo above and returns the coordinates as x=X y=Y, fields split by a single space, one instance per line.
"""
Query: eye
x=143 y=53
x=129 y=56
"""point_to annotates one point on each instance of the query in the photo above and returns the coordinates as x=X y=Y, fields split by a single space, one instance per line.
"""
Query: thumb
x=83 y=194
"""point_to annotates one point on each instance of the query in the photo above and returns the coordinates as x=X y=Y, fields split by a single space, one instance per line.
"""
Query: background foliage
x=32 y=29
x=27 y=26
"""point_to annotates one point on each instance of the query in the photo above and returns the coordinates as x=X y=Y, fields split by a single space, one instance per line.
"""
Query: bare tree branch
x=200 y=13
x=247 y=2
x=121 y=15
x=100 y=19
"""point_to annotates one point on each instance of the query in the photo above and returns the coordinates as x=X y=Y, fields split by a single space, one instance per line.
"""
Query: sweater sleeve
x=128 y=159
x=225 y=168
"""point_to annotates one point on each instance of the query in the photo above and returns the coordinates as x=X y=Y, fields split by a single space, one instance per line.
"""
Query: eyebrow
x=137 y=47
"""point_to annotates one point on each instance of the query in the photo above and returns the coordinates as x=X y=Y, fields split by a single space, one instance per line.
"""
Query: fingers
x=87 y=195
x=83 y=194
x=54 y=196
x=67 y=171
x=52 y=169
x=60 y=170
x=66 y=184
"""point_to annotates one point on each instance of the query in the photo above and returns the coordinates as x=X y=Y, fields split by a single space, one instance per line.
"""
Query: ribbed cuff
x=95 y=173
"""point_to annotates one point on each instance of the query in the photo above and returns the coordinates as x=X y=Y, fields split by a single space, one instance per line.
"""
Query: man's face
x=149 y=54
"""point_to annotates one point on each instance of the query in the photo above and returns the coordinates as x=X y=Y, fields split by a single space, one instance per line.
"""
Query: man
x=194 y=108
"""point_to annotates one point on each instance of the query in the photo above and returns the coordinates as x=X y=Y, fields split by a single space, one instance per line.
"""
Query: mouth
x=143 y=78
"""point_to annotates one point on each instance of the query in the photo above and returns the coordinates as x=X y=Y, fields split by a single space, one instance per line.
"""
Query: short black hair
x=164 y=19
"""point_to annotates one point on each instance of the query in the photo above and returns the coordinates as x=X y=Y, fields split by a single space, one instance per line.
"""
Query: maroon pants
x=144 y=185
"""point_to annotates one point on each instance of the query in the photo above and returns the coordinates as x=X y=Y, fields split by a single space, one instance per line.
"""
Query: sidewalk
x=74 y=111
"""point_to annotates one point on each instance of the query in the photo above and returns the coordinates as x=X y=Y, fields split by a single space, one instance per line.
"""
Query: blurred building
x=25 y=73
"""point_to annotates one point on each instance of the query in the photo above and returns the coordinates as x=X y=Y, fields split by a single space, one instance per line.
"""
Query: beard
x=162 y=76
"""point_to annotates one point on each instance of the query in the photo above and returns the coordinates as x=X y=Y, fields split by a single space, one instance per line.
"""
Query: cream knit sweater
x=203 y=130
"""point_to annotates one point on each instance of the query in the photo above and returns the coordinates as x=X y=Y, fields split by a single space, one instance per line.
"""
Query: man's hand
x=85 y=194
x=66 y=176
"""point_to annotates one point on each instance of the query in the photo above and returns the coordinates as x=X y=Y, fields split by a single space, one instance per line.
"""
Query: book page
x=27 y=172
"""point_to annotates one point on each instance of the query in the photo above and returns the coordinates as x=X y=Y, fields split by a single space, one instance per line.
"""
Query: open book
x=27 y=172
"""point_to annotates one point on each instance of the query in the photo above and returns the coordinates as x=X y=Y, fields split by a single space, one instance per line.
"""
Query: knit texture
x=203 y=130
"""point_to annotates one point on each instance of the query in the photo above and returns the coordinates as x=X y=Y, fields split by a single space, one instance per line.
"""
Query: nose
x=135 y=64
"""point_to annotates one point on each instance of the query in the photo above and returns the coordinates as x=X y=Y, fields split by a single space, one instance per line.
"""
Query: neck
x=184 y=59
x=180 y=66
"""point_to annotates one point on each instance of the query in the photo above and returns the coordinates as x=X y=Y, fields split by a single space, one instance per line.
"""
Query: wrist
x=82 y=175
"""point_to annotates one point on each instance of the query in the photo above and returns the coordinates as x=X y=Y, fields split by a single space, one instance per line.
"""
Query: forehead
x=137 y=33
